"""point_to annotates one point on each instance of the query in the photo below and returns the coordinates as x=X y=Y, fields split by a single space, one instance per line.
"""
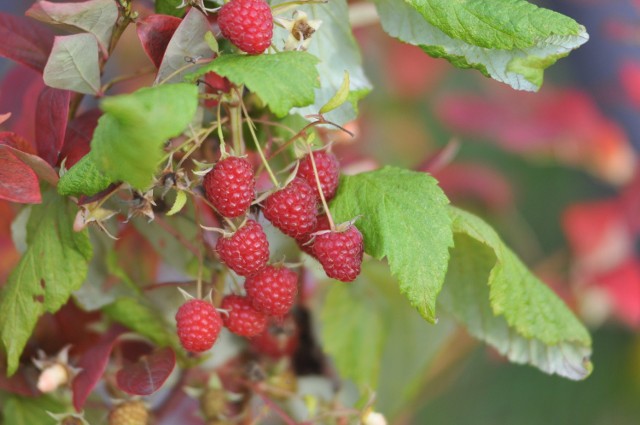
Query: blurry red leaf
x=25 y=41
x=148 y=374
x=4 y=117
x=9 y=255
x=43 y=170
x=598 y=234
x=215 y=84
x=155 y=32
x=93 y=364
x=18 y=383
x=19 y=91
x=13 y=140
x=77 y=141
x=52 y=113
x=18 y=182
x=623 y=286
x=630 y=80
x=441 y=158
x=464 y=182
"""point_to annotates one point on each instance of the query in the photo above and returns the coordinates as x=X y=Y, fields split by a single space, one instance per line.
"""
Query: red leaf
x=19 y=93
x=18 y=383
x=155 y=32
x=21 y=149
x=93 y=364
x=18 y=182
x=11 y=139
x=148 y=374
x=25 y=41
x=52 y=113
x=78 y=137
x=4 y=117
x=622 y=284
x=630 y=80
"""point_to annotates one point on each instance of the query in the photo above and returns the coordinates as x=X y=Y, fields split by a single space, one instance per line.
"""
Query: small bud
x=52 y=377
x=374 y=418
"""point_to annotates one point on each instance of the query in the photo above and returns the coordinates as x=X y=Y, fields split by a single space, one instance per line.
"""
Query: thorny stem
x=179 y=237
x=206 y=201
x=258 y=147
x=200 y=246
x=324 y=200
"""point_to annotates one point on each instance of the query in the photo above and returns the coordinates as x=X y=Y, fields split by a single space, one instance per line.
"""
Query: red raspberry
x=129 y=413
x=246 y=251
x=340 y=253
x=198 y=325
x=305 y=241
x=230 y=185
x=248 y=24
x=243 y=319
x=328 y=173
x=281 y=338
x=292 y=209
x=272 y=290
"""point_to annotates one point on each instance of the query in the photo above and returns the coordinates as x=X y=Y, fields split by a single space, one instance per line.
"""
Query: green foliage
x=54 y=265
x=282 y=80
x=84 y=178
x=139 y=317
x=338 y=52
x=512 y=41
x=127 y=143
x=404 y=218
x=493 y=294
x=73 y=64
x=30 y=411
x=170 y=7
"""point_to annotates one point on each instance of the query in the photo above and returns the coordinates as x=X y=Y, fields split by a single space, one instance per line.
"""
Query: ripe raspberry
x=305 y=242
x=248 y=24
x=340 y=253
x=129 y=413
x=246 y=251
x=243 y=319
x=230 y=185
x=292 y=209
x=328 y=173
x=272 y=290
x=281 y=338
x=198 y=325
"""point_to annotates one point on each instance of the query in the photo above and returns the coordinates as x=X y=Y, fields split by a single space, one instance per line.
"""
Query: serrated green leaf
x=404 y=218
x=178 y=204
x=84 y=178
x=73 y=64
x=139 y=317
x=282 y=80
x=501 y=302
x=97 y=17
x=511 y=41
x=53 y=266
x=127 y=143
x=341 y=96
x=170 y=7
x=333 y=43
x=30 y=411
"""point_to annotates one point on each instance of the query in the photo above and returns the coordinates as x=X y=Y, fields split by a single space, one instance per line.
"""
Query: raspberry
x=272 y=290
x=243 y=319
x=129 y=413
x=340 y=253
x=305 y=241
x=248 y=24
x=198 y=325
x=328 y=173
x=246 y=251
x=292 y=209
x=230 y=185
x=280 y=339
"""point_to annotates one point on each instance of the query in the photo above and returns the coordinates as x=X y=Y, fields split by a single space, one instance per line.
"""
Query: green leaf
x=282 y=80
x=501 y=302
x=84 y=178
x=30 y=411
x=341 y=96
x=179 y=203
x=170 y=7
x=334 y=44
x=139 y=317
x=127 y=143
x=97 y=17
x=404 y=218
x=53 y=266
x=511 y=41
x=73 y=64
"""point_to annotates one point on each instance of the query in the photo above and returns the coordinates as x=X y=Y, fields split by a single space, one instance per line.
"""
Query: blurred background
x=555 y=172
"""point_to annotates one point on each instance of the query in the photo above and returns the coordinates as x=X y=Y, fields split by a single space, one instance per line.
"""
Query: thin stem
x=184 y=68
x=288 y=420
x=179 y=237
x=324 y=200
x=258 y=147
x=235 y=117
x=116 y=80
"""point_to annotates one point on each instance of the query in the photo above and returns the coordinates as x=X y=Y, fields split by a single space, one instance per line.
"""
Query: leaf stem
x=319 y=186
x=273 y=178
x=235 y=117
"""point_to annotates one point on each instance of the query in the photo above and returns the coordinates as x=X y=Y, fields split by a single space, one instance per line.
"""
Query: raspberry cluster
x=271 y=289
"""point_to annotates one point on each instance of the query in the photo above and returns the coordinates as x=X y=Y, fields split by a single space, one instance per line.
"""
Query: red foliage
x=148 y=374
x=52 y=113
x=25 y=41
x=18 y=182
x=77 y=141
x=155 y=32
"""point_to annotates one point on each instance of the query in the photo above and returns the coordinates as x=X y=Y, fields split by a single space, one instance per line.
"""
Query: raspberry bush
x=219 y=167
